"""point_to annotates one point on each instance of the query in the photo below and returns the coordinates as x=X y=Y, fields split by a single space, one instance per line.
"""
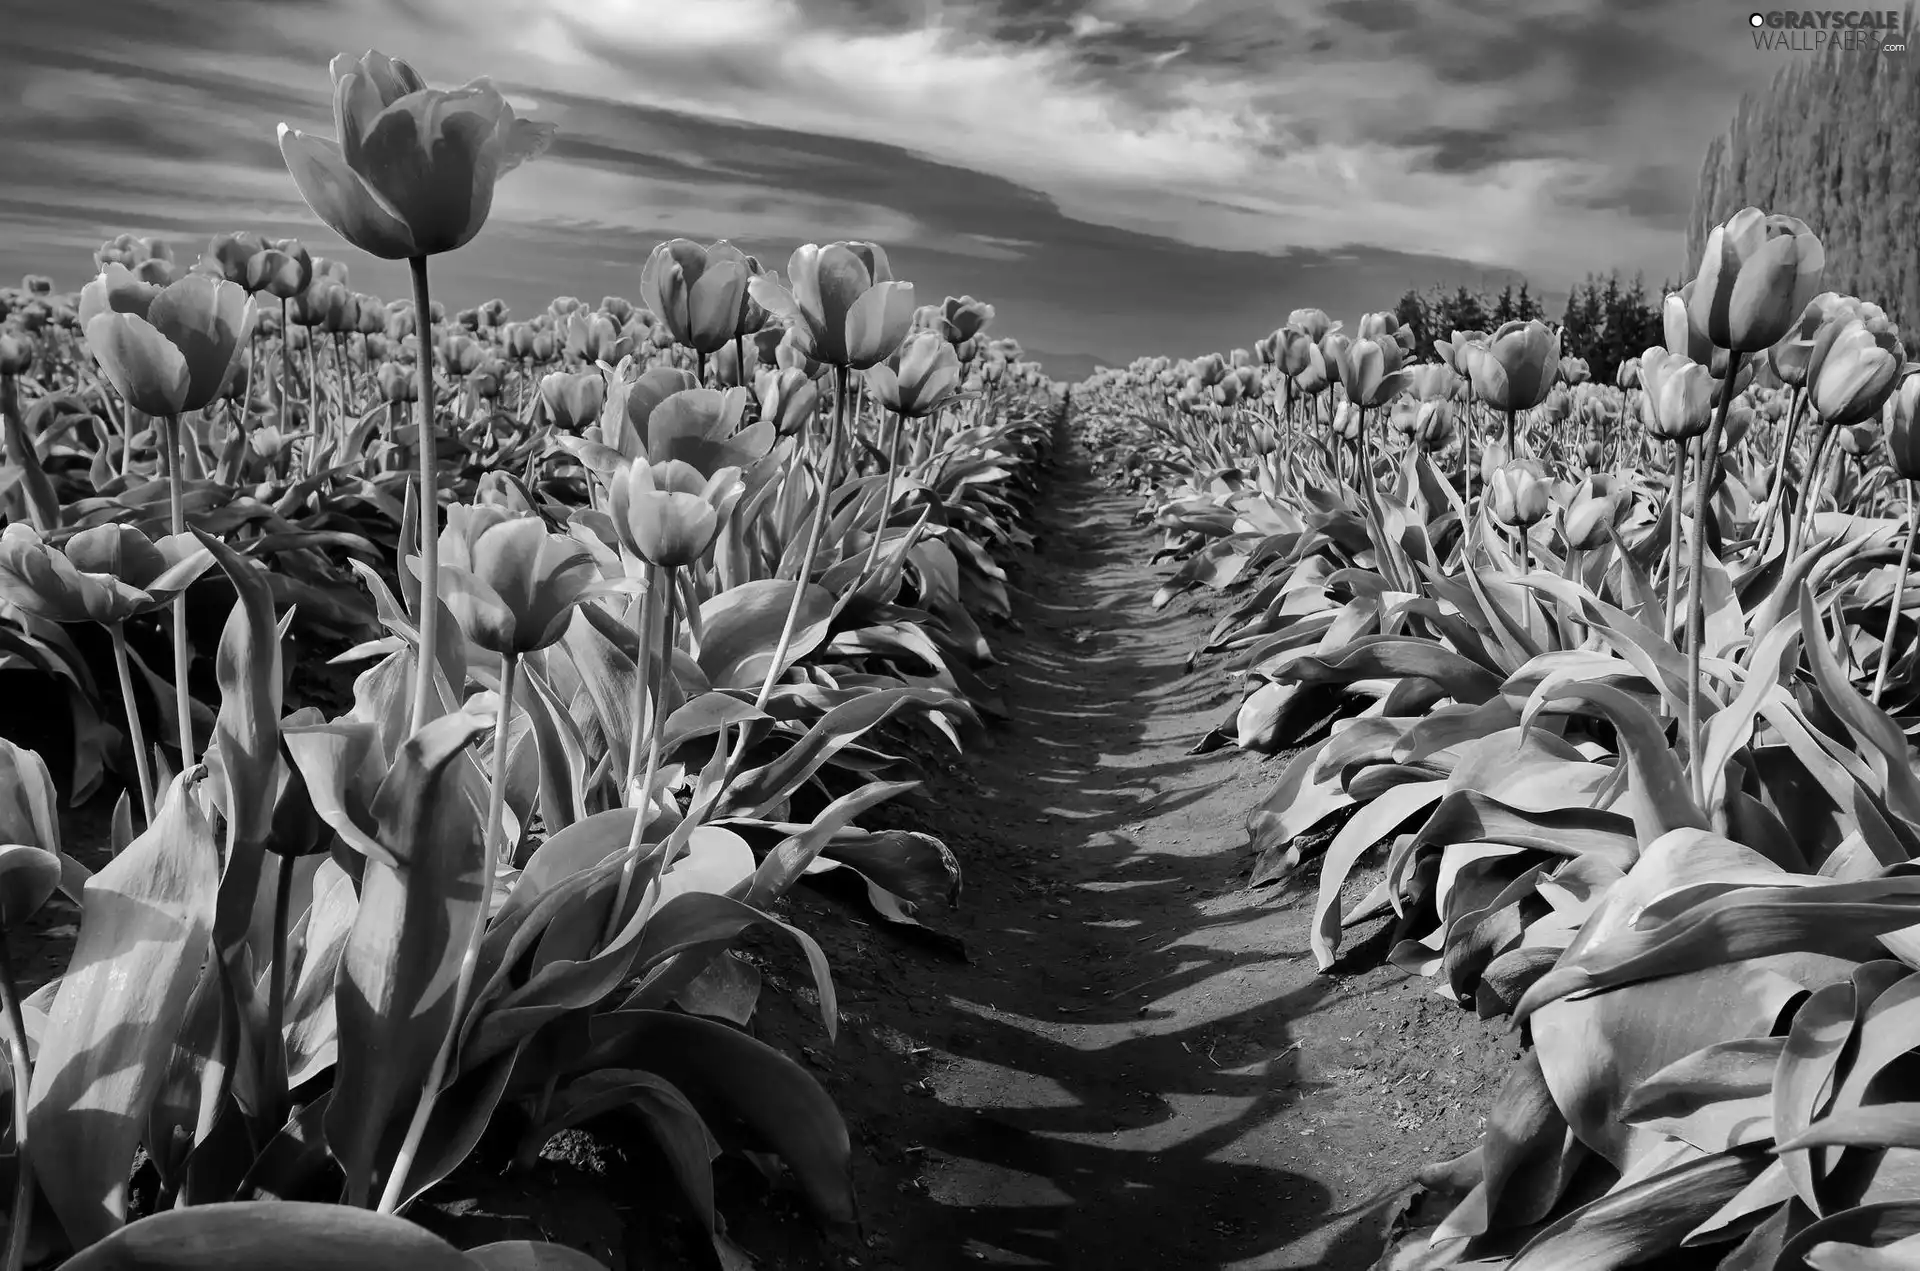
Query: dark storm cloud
x=1115 y=175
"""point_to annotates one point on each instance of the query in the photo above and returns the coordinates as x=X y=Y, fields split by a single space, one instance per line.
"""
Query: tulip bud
x=1679 y=395
x=397 y=383
x=509 y=583
x=573 y=400
x=1519 y=493
x=1518 y=366
x=1433 y=381
x=414 y=188
x=1858 y=439
x=1757 y=274
x=1435 y=426
x=788 y=398
x=1595 y=511
x=1852 y=371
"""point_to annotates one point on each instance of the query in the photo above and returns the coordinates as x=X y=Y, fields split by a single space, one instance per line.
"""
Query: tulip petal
x=877 y=323
x=426 y=159
x=713 y=305
x=143 y=364
x=205 y=319
x=339 y=198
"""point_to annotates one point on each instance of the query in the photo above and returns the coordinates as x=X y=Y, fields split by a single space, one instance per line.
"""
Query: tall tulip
x=168 y=353
x=512 y=586
x=411 y=176
x=916 y=382
x=1757 y=275
x=848 y=312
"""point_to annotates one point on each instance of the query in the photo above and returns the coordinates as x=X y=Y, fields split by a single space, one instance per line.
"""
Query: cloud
x=1116 y=175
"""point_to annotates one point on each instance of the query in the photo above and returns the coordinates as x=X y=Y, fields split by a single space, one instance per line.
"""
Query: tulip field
x=1601 y=695
x=463 y=691
x=472 y=782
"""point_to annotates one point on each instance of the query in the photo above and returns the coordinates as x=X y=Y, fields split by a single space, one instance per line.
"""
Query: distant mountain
x=1069 y=367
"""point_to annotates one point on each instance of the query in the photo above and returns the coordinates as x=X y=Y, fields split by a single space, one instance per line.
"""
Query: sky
x=1118 y=177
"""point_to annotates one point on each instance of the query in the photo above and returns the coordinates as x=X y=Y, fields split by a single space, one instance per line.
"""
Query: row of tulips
x=644 y=634
x=1621 y=713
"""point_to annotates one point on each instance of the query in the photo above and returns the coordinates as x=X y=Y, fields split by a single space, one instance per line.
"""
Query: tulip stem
x=1809 y=493
x=1779 y=467
x=1675 y=497
x=182 y=655
x=642 y=668
x=1696 y=618
x=636 y=839
x=805 y=567
x=890 y=443
x=395 y=1193
x=143 y=773
x=423 y=686
x=1899 y=594
x=20 y=1226
x=274 y=1061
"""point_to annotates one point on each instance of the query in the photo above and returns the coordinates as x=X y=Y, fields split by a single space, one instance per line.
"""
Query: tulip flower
x=166 y=350
x=397 y=383
x=1434 y=381
x=1901 y=419
x=1434 y=427
x=1853 y=370
x=1574 y=370
x=1317 y=376
x=1594 y=512
x=1518 y=493
x=788 y=398
x=1290 y=350
x=962 y=318
x=573 y=400
x=411 y=176
x=700 y=427
x=1679 y=394
x=17 y=350
x=510 y=583
x=1627 y=375
x=1517 y=368
x=414 y=169
x=669 y=514
x=149 y=259
x=1757 y=274
x=698 y=292
x=1313 y=322
x=847 y=309
x=1792 y=357
x=920 y=378
x=1370 y=371
x=512 y=587
x=107 y=574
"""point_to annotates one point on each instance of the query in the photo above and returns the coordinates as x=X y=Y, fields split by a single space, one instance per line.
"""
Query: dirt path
x=1138 y=1066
